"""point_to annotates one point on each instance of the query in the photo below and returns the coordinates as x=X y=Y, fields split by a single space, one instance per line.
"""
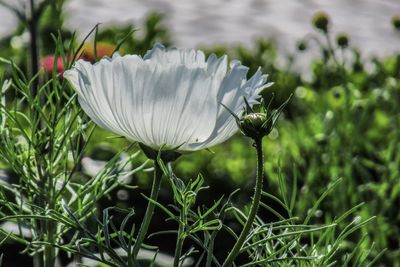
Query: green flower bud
x=320 y=20
x=255 y=125
x=342 y=40
x=396 y=22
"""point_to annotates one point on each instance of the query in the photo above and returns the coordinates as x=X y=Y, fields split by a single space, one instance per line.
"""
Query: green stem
x=32 y=26
x=254 y=207
x=49 y=250
x=342 y=70
x=47 y=257
x=38 y=260
x=179 y=244
x=210 y=250
x=150 y=210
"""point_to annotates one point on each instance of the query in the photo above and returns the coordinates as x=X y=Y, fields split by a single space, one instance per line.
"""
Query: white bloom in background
x=170 y=98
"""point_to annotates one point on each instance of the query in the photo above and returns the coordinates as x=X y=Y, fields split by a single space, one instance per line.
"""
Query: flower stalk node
x=166 y=155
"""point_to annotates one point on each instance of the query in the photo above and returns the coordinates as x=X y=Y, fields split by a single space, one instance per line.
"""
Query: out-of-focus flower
x=170 y=99
x=302 y=45
x=396 y=22
x=342 y=40
x=103 y=49
x=47 y=64
x=320 y=20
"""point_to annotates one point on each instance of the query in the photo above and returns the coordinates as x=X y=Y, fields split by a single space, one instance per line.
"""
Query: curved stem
x=149 y=211
x=254 y=207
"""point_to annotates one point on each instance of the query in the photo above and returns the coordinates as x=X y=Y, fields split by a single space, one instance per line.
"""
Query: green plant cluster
x=343 y=121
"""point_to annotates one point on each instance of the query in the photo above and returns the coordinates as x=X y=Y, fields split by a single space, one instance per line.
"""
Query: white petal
x=217 y=66
x=188 y=57
x=91 y=93
x=180 y=106
x=154 y=104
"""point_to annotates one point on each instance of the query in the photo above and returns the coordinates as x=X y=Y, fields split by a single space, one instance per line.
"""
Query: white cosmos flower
x=170 y=98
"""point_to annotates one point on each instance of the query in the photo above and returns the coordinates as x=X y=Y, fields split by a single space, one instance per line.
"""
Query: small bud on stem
x=342 y=40
x=302 y=46
x=396 y=22
x=255 y=125
x=320 y=20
